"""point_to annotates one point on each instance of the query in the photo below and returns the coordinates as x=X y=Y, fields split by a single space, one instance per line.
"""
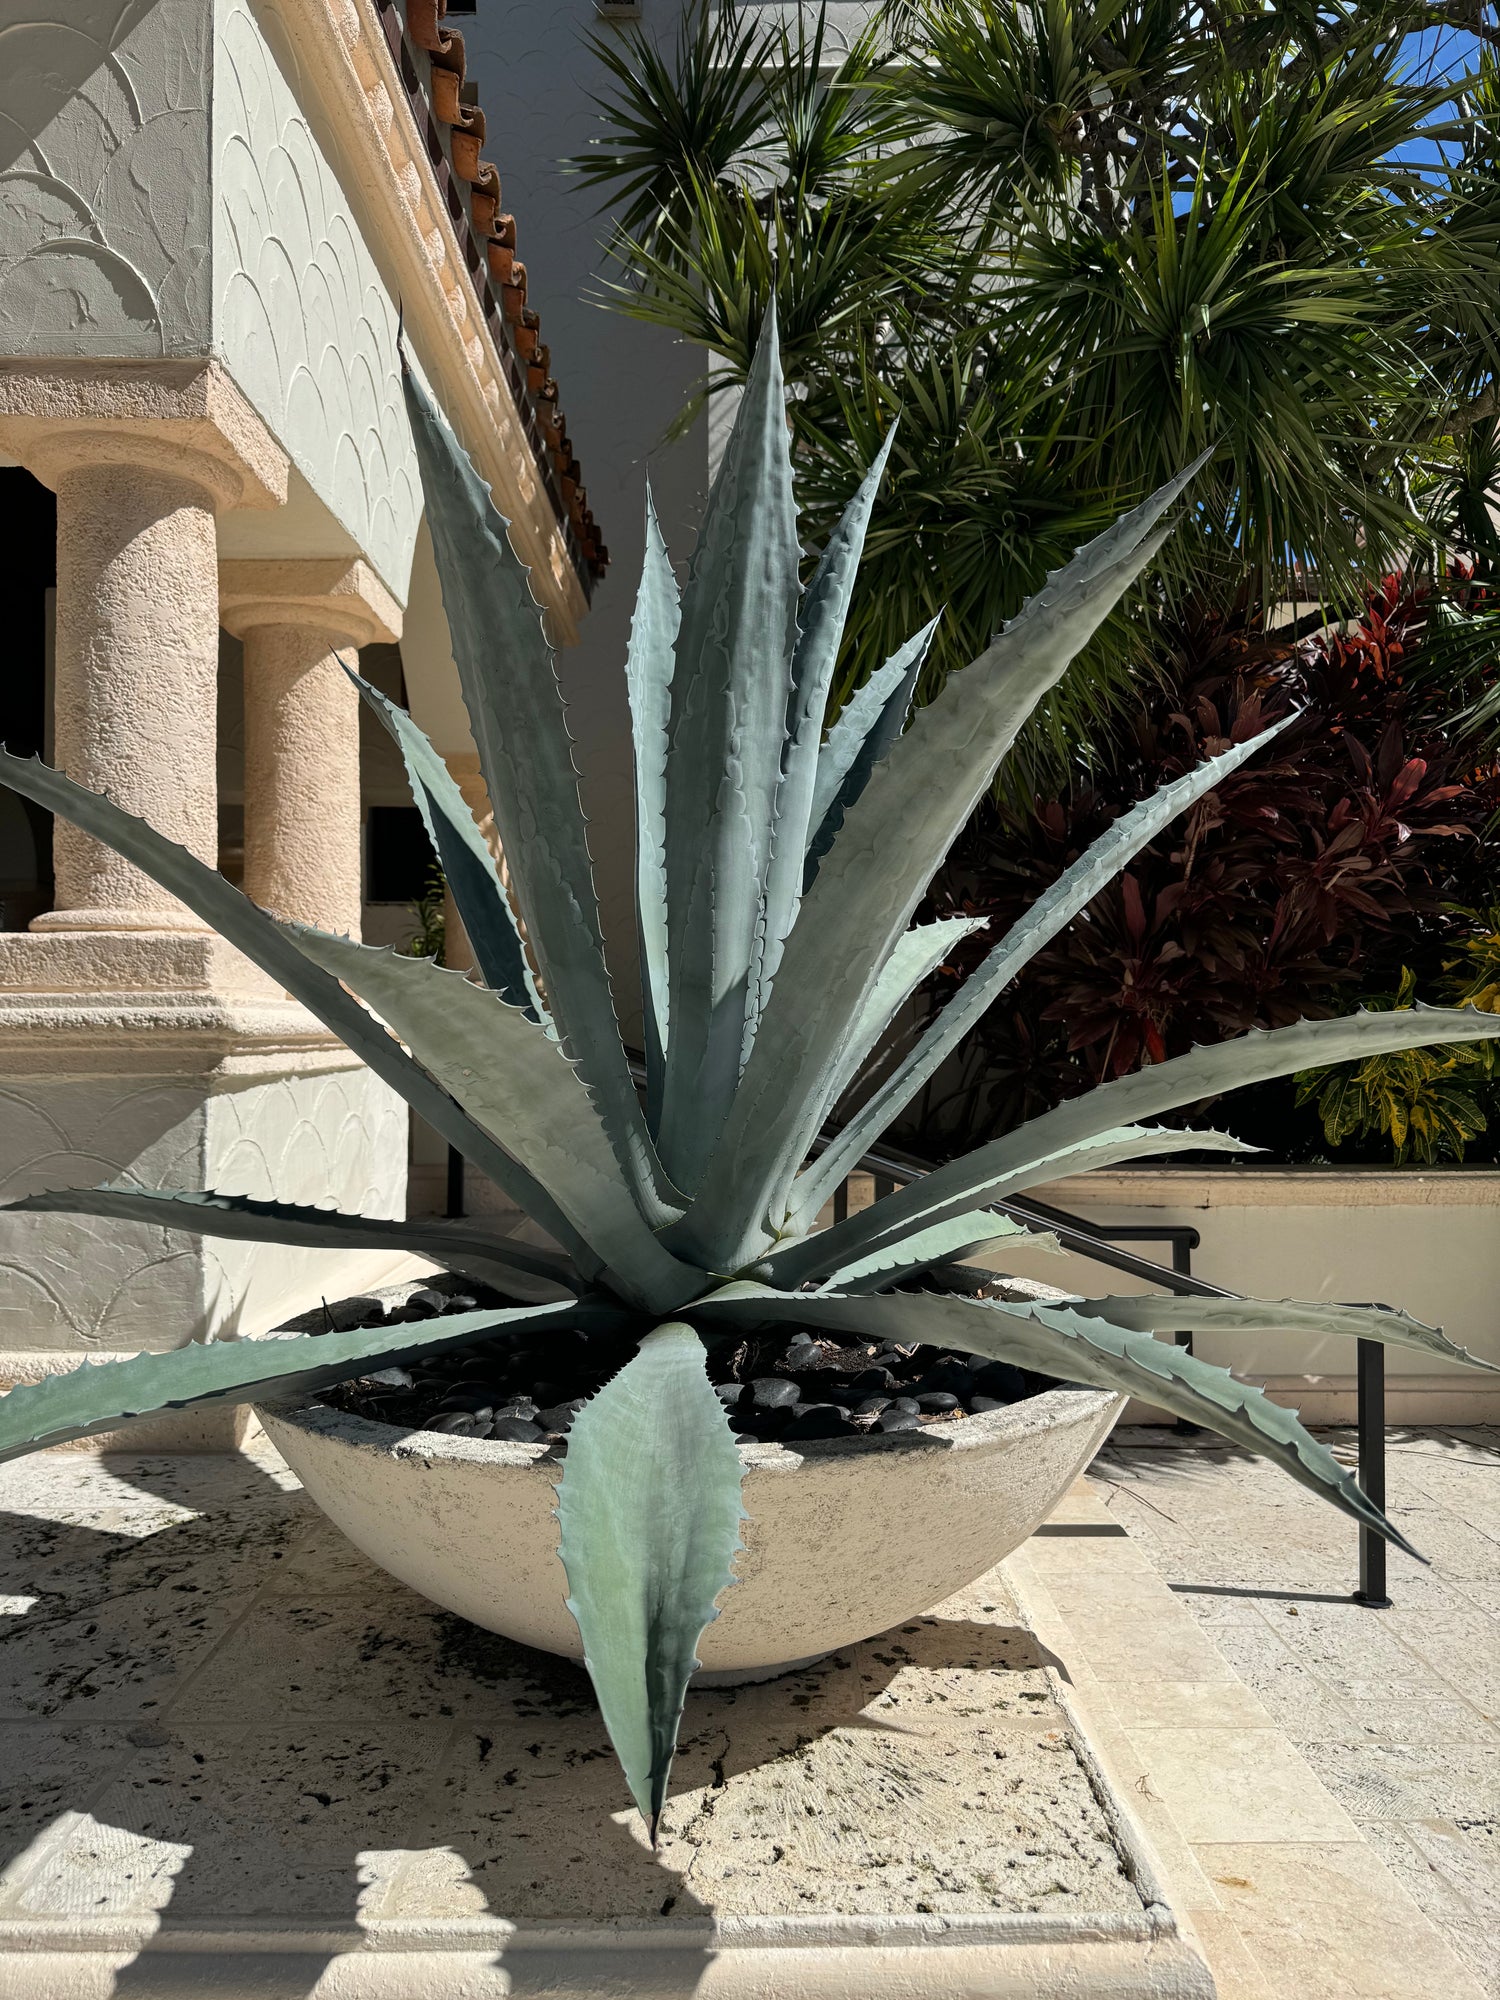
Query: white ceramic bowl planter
x=845 y=1538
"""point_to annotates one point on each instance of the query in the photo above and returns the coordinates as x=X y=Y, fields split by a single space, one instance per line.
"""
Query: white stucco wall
x=165 y=189
x=302 y=317
x=1426 y=1242
x=104 y=177
x=325 y=1132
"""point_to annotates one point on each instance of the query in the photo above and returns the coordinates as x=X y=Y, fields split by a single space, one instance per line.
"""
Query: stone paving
x=1397 y=1711
x=217 y=1719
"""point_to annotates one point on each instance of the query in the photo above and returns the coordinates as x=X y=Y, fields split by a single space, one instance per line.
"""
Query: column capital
x=186 y=418
x=337 y=598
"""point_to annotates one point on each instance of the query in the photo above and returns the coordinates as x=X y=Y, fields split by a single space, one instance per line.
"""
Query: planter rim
x=1015 y=1420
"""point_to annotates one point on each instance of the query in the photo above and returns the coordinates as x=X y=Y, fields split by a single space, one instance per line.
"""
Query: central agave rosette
x=779 y=861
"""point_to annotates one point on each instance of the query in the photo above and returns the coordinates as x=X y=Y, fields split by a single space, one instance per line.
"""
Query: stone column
x=137 y=657
x=302 y=803
x=142 y=458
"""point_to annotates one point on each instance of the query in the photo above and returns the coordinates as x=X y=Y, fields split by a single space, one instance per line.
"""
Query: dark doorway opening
x=28 y=576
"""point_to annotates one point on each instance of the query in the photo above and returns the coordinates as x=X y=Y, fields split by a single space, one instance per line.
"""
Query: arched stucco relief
x=104 y=183
x=301 y=316
x=337 y=1140
x=334 y=1137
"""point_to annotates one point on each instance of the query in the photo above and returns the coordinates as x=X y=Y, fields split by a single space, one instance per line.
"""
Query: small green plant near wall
x=777 y=868
x=430 y=938
x=1428 y=1103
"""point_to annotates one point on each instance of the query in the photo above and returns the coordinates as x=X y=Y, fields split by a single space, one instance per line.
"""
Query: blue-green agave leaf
x=1057 y=1340
x=917 y=953
x=517 y=1083
x=1169 y=1314
x=456 y=1245
x=649 y=1506
x=885 y=1225
x=869 y=724
x=648 y=678
x=1074 y=889
x=102 y=1396
x=278 y=950
x=825 y=609
x=515 y=705
x=947 y=1242
x=820 y=628
x=466 y=861
x=884 y=697
x=729 y=707
x=868 y=885
x=1014 y=1161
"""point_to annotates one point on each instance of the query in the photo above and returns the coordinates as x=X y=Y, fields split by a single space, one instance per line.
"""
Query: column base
x=58 y=958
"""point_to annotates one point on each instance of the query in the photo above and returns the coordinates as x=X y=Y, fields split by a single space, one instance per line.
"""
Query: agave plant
x=779 y=863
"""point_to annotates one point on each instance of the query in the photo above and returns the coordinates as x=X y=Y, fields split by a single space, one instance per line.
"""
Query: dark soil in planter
x=782 y=1388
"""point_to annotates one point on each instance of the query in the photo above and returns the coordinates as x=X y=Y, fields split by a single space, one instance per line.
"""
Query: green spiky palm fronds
x=779 y=863
x=1072 y=243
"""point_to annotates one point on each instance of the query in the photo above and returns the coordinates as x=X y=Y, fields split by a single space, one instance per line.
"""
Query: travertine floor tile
x=1132 y=1638
x=1396 y=1711
x=274 y=1818
x=1219 y=1704
x=75 y=1665
x=1409 y=1781
x=1453 y=1882
x=245 y=1723
x=1239 y=1785
x=1236 y=1974
x=1326 y=1922
x=1466 y=1854
x=1190 y=1888
x=46 y=1770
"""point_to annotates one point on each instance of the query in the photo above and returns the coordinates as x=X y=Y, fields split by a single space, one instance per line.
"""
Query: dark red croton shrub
x=1304 y=882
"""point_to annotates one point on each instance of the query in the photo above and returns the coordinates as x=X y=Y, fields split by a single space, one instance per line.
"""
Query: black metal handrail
x=1097 y=1241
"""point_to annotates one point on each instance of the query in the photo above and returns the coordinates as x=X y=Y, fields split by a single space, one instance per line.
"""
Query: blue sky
x=1432 y=55
x=1438 y=52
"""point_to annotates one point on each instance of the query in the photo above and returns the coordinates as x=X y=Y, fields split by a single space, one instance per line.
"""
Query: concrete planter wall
x=1425 y=1240
x=844 y=1539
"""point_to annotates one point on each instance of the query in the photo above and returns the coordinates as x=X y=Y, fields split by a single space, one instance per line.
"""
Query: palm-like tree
x=1070 y=244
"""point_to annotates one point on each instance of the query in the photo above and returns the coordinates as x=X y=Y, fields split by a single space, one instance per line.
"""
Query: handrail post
x=1371 y=1378
x=1184 y=1242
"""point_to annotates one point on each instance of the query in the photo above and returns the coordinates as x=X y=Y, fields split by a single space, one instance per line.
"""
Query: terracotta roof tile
x=473 y=189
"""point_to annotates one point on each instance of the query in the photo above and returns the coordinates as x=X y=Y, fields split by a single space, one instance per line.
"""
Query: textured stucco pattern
x=302 y=317
x=104 y=182
x=333 y=1136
